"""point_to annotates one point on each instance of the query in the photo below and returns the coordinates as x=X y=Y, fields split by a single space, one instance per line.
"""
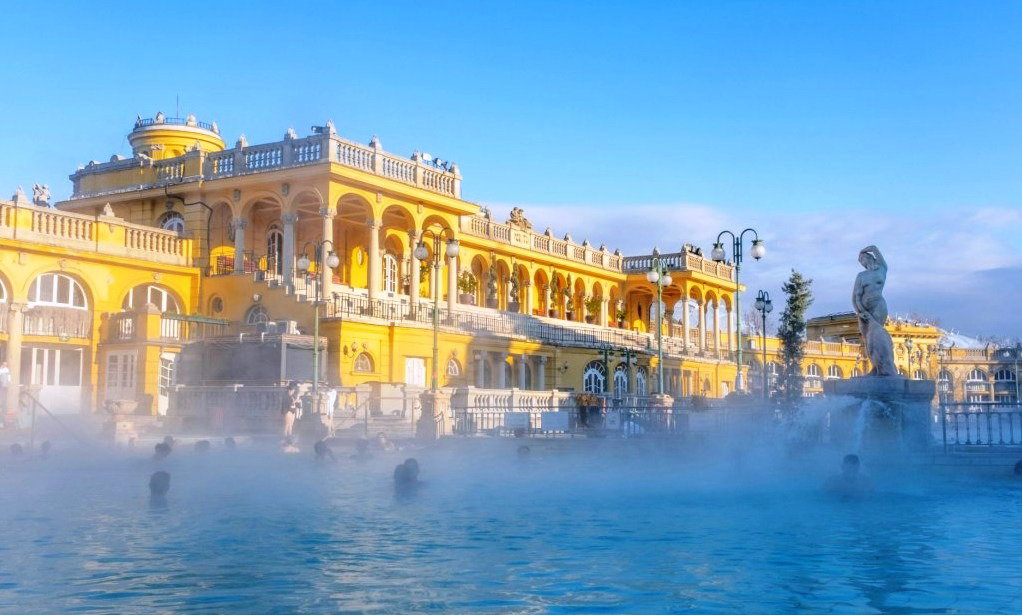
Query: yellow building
x=189 y=238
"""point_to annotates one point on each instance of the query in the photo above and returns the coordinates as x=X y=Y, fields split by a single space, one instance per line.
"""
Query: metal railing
x=176 y=121
x=626 y=421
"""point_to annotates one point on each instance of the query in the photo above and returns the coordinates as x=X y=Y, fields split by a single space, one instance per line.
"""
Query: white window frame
x=75 y=290
x=594 y=377
x=390 y=273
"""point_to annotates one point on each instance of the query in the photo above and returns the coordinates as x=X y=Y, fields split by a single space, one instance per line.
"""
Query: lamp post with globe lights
x=304 y=264
x=422 y=253
x=764 y=306
x=757 y=251
x=660 y=277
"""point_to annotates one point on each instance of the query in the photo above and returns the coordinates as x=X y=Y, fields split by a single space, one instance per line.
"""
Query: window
x=594 y=377
x=1004 y=375
x=57 y=289
x=364 y=364
x=389 y=273
x=640 y=382
x=144 y=294
x=834 y=372
x=813 y=370
x=256 y=315
x=453 y=367
x=919 y=375
x=274 y=249
x=216 y=305
x=813 y=375
x=621 y=380
x=172 y=221
x=166 y=374
x=977 y=375
x=856 y=372
x=54 y=367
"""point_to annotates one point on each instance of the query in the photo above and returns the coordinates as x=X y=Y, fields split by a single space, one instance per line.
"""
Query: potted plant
x=555 y=294
x=570 y=311
x=593 y=305
x=621 y=315
x=467 y=286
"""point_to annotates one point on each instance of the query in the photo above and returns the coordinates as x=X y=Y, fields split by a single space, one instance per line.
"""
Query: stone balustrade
x=107 y=235
x=528 y=239
x=511 y=399
x=679 y=261
x=246 y=159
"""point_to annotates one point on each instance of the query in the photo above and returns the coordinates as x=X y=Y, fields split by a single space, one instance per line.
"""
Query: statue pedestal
x=888 y=413
x=433 y=422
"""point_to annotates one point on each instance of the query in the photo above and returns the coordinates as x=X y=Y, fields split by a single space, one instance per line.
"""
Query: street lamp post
x=1018 y=351
x=659 y=276
x=758 y=251
x=303 y=265
x=764 y=305
x=422 y=253
x=908 y=345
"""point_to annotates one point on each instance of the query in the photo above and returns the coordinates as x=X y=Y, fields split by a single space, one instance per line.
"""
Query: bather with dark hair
x=851 y=483
x=161 y=450
x=406 y=477
x=159 y=484
x=323 y=452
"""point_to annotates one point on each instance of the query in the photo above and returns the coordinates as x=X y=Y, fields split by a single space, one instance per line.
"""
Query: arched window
x=363 y=364
x=1004 y=375
x=856 y=372
x=919 y=375
x=977 y=375
x=390 y=279
x=274 y=249
x=621 y=380
x=453 y=367
x=172 y=221
x=813 y=371
x=3 y=292
x=57 y=289
x=640 y=382
x=144 y=294
x=256 y=315
x=594 y=377
x=834 y=372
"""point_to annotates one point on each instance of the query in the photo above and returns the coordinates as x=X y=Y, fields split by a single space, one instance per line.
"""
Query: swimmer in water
x=202 y=446
x=406 y=477
x=851 y=483
x=159 y=484
x=161 y=450
x=323 y=452
x=229 y=443
x=1018 y=469
x=362 y=450
x=384 y=444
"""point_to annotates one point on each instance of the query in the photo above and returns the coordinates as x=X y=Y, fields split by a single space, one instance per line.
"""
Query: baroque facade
x=189 y=238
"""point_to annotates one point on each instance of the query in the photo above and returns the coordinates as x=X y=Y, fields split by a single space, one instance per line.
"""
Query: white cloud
x=962 y=266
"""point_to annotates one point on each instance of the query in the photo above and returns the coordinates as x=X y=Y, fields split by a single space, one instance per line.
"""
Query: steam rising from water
x=641 y=525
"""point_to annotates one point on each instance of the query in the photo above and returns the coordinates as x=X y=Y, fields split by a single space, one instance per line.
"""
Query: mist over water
x=583 y=525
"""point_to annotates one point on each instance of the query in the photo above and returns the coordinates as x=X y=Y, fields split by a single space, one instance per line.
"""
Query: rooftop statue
x=871 y=308
x=41 y=195
x=518 y=219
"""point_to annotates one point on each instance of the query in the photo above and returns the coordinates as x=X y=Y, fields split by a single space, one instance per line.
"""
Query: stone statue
x=518 y=219
x=871 y=308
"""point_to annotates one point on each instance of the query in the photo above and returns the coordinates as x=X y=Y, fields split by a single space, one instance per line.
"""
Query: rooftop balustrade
x=291 y=152
x=107 y=235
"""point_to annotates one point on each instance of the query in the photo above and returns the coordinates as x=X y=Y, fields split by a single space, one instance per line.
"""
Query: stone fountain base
x=888 y=413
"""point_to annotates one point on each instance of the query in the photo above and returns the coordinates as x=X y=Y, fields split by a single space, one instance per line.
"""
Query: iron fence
x=626 y=421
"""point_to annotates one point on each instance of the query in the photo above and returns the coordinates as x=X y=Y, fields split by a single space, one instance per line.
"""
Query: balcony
x=59 y=322
x=244 y=159
x=106 y=235
x=126 y=327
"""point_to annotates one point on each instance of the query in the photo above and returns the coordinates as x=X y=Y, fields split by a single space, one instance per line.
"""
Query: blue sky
x=823 y=124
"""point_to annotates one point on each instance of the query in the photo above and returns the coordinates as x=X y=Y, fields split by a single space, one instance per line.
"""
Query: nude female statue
x=871 y=308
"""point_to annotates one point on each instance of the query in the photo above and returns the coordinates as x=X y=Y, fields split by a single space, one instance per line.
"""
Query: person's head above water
x=229 y=443
x=159 y=483
x=161 y=450
x=168 y=440
x=361 y=445
x=403 y=475
x=17 y=450
x=523 y=451
x=202 y=446
x=850 y=466
x=322 y=450
x=413 y=468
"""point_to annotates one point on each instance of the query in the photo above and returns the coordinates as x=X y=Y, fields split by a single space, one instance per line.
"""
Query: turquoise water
x=580 y=528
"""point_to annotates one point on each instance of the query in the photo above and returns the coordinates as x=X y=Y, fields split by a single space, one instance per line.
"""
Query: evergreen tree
x=792 y=332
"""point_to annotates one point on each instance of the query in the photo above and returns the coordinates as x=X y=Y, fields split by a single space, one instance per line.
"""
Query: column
x=327 y=276
x=669 y=321
x=540 y=374
x=730 y=330
x=239 y=225
x=702 y=325
x=684 y=318
x=501 y=371
x=525 y=302
x=716 y=327
x=15 y=329
x=604 y=312
x=523 y=371
x=452 y=281
x=413 y=290
x=374 y=257
x=288 y=266
x=480 y=370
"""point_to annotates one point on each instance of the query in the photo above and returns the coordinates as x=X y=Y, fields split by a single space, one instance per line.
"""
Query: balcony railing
x=176 y=121
x=106 y=235
x=63 y=323
x=180 y=328
x=291 y=152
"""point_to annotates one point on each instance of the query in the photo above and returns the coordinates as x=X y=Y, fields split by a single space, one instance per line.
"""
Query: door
x=120 y=376
x=167 y=363
x=415 y=371
x=55 y=375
